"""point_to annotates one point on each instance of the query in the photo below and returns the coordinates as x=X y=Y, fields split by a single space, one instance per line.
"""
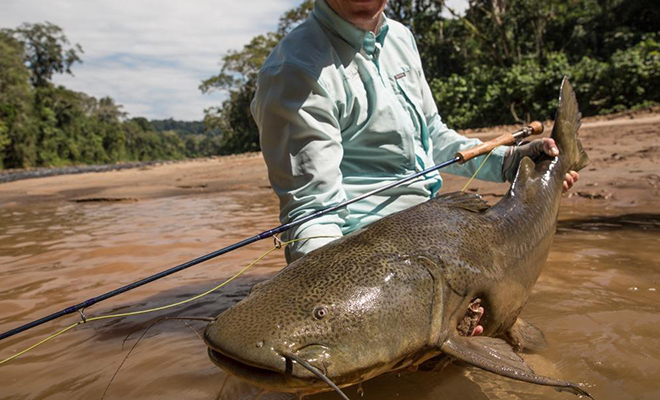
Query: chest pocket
x=406 y=83
x=372 y=127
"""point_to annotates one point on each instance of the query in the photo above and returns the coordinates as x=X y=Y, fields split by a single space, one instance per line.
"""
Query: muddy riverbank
x=34 y=173
x=623 y=173
x=67 y=238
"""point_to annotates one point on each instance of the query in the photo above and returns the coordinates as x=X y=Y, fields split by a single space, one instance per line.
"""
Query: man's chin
x=365 y=14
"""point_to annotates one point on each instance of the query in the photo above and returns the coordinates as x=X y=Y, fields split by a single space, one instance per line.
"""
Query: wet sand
x=67 y=238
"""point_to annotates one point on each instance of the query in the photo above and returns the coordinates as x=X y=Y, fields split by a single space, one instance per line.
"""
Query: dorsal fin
x=467 y=201
x=525 y=170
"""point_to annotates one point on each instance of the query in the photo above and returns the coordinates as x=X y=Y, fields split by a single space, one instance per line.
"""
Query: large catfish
x=393 y=295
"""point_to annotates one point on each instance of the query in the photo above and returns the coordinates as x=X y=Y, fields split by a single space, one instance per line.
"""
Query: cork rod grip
x=535 y=128
x=486 y=147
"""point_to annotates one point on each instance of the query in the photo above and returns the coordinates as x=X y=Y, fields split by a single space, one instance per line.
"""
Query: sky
x=151 y=55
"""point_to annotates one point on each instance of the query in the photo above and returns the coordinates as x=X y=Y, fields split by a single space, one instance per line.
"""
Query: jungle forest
x=499 y=62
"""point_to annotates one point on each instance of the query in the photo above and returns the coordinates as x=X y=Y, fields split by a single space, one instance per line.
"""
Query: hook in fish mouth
x=316 y=372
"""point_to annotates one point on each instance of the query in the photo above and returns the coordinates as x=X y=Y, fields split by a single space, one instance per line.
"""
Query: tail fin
x=565 y=130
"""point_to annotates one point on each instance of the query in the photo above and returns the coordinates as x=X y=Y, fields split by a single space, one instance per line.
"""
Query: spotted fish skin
x=388 y=296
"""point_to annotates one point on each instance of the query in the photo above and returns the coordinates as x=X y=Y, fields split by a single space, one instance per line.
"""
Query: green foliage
x=238 y=77
x=520 y=49
x=629 y=79
x=439 y=40
x=632 y=77
x=294 y=17
x=197 y=140
x=183 y=128
x=46 y=51
x=500 y=62
x=17 y=129
x=46 y=125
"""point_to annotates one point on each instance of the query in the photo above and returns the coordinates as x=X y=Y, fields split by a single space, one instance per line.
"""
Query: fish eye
x=320 y=312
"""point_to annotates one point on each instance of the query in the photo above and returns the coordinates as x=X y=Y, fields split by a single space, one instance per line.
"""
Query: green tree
x=47 y=51
x=144 y=123
x=17 y=128
x=108 y=111
x=501 y=62
x=46 y=125
x=516 y=51
x=181 y=127
x=238 y=77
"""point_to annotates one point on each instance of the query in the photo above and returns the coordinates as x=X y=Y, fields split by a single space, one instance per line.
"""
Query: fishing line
x=478 y=169
x=460 y=157
x=263 y=235
x=85 y=319
x=183 y=319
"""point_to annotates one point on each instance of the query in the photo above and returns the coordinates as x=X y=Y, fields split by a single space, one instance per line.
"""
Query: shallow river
x=598 y=302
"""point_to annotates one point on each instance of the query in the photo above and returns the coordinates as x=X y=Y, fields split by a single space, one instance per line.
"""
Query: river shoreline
x=12 y=175
x=622 y=177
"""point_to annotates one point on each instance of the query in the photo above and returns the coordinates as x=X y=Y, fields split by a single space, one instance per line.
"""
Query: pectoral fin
x=496 y=356
x=523 y=335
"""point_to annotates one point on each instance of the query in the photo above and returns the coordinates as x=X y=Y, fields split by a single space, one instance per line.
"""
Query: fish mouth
x=290 y=378
x=255 y=375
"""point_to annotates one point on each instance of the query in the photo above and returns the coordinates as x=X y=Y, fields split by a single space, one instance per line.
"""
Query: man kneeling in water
x=343 y=107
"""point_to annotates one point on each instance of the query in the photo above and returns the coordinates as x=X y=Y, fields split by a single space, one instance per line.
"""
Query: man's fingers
x=569 y=180
x=550 y=147
x=478 y=330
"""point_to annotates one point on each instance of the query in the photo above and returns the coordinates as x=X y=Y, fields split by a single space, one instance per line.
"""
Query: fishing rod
x=461 y=157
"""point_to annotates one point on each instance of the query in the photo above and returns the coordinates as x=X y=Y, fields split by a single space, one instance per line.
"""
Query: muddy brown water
x=597 y=302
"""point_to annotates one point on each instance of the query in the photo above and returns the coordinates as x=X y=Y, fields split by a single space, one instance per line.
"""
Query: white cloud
x=147 y=89
x=458 y=6
x=151 y=55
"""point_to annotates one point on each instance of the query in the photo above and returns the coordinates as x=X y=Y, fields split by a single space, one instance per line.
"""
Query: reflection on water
x=57 y=256
x=597 y=302
x=633 y=222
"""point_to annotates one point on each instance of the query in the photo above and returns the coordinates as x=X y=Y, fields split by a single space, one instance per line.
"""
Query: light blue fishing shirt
x=342 y=111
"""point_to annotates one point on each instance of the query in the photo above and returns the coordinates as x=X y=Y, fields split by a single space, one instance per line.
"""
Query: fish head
x=344 y=320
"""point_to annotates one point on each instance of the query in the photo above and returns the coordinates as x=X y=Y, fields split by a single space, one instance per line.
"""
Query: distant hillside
x=181 y=127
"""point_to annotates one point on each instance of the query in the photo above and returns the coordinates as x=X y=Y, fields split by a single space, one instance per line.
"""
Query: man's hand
x=534 y=150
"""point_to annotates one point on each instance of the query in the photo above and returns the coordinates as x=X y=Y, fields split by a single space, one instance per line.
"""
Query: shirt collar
x=353 y=35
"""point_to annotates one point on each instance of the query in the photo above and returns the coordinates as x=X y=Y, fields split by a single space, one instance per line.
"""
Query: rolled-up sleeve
x=447 y=142
x=301 y=144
